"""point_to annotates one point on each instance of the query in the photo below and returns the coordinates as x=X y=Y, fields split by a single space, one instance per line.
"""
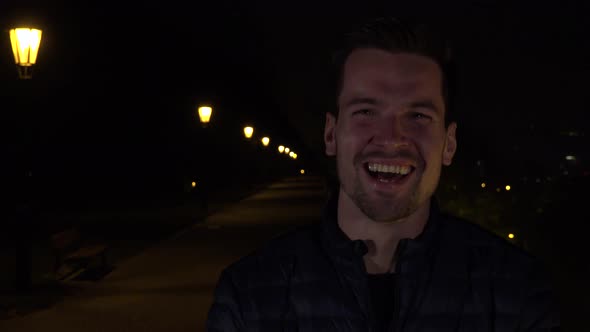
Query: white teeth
x=396 y=169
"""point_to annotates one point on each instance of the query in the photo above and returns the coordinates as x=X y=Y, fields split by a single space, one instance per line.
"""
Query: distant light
x=291 y=154
x=511 y=236
x=281 y=149
x=193 y=184
x=572 y=158
x=302 y=171
x=498 y=189
x=507 y=188
x=483 y=184
x=287 y=150
x=294 y=155
x=265 y=141
x=248 y=131
x=205 y=114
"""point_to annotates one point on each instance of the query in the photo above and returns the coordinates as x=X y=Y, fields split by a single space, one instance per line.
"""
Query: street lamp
x=25 y=48
x=205 y=115
x=248 y=131
x=265 y=140
x=287 y=150
x=281 y=149
x=25 y=44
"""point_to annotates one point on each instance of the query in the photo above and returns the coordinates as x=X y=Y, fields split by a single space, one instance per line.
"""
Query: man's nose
x=390 y=133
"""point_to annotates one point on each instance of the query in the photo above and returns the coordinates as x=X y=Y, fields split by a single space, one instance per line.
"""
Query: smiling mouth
x=388 y=173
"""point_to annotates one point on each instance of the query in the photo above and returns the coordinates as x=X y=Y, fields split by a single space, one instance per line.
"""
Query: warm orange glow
x=281 y=149
x=248 y=132
x=294 y=155
x=205 y=114
x=265 y=141
x=511 y=236
x=193 y=184
x=25 y=45
x=483 y=184
x=302 y=171
x=287 y=150
x=508 y=188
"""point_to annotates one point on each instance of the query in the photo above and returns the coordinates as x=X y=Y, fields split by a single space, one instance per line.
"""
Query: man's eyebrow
x=424 y=104
x=361 y=100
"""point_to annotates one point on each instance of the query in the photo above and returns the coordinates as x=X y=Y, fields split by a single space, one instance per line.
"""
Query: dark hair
x=393 y=35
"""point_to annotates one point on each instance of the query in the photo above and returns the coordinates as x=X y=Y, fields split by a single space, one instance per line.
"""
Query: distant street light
x=508 y=188
x=302 y=171
x=291 y=154
x=248 y=131
x=193 y=184
x=483 y=184
x=205 y=114
x=294 y=156
x=287 y=150
x=25 y=48
x=281 y=149
x=511 y=236
x=265 y=141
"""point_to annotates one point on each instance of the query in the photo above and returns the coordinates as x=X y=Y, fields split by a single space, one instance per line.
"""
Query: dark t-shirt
x=382 y=288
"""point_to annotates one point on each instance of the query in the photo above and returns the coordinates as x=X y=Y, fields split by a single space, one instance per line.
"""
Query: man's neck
x=382 y=238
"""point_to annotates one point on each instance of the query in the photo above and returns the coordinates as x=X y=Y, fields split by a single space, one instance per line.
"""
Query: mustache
x=403 y=154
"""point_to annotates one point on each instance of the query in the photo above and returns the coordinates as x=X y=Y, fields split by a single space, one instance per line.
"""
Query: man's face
x=389 y=138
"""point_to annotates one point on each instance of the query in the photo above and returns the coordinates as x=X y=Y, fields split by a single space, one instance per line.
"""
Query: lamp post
x=25 y=43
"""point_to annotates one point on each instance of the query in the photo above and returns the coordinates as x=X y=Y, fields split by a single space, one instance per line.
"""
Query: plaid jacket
x=454 y=277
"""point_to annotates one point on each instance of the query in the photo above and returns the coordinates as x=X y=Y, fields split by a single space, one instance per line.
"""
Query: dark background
x=110 y=112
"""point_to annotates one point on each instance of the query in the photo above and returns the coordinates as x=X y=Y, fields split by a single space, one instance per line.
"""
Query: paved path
x=169 y=286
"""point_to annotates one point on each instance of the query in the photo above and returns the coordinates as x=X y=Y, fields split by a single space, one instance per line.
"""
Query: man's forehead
x=375 y=72
x=381 y=63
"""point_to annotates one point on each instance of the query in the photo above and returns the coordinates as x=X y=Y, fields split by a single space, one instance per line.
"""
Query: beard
x=386 y=208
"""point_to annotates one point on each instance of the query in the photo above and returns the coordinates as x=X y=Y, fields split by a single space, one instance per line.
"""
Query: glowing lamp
x=265 y=141
x=193 y=184
x=25 y=48
x=302 y=171
x=281 y=149
x=511 y=236
x=287 y=150
x=205 y=114
x=483 y=184
x=291 y=154
x=294 y=155
x=508 y=188
x=248 y=132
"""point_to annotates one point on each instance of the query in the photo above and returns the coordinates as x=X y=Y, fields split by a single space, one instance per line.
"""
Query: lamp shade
x=205 y=114
x=248 y=131
x=25 y=45
x=265 y=141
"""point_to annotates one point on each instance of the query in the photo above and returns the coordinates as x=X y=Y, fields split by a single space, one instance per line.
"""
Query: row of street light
x=205 y=113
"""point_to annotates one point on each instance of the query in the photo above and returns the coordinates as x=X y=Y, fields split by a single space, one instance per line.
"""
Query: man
x=384 y=258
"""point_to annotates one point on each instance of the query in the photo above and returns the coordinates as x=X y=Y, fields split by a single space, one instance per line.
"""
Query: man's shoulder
x=485 y=245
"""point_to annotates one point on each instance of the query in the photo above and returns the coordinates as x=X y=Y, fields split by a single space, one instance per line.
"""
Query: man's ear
x=330 y=134
x=450 y=144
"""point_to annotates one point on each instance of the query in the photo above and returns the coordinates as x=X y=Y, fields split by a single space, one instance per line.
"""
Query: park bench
x=72 y=254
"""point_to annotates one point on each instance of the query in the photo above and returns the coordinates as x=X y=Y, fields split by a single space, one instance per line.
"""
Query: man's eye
x=421 y=116
x=363 y=112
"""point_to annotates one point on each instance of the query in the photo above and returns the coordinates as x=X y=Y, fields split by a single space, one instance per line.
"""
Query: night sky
x=116 y=86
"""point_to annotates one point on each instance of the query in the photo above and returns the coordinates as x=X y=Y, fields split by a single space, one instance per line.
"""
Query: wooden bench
x=69 y=249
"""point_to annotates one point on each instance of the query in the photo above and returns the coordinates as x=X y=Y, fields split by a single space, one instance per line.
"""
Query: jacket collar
x=337 y=242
